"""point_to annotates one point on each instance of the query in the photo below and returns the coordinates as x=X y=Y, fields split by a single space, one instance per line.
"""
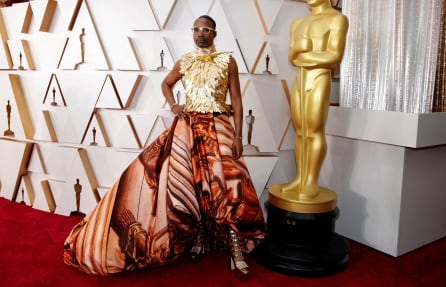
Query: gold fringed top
x=205 y=79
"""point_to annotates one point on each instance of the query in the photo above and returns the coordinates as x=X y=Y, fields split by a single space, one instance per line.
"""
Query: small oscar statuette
x=161 y=67
x=8 y=132
x=54 y=103
x=23 y=197
x=82 y=48
x=94 y=137
x=250 y=148
x=20 y=62
x=77 y=190
x=267 y=71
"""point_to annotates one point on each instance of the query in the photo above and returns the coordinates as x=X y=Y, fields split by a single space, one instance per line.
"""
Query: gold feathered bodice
x=205 y=79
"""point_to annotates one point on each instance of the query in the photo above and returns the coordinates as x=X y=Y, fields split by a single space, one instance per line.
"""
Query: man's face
x=204 y=33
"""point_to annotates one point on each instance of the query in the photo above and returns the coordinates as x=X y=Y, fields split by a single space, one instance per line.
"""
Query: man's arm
x=236 y=102
x=169 y=82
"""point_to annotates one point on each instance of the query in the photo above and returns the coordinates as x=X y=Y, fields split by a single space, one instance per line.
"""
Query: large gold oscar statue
x=301 y=239
x=317 y=44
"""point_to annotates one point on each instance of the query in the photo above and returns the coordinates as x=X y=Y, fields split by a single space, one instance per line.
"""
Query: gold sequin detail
x=205 y=79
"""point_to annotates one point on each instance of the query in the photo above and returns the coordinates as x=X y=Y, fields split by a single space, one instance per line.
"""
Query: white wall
x=51 y=147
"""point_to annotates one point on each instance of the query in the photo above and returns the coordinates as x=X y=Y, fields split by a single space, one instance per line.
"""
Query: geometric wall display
x=226 y=38
x=5 y=55
x=245 y=26
x=162 y=10
x=54 y=93
x=14 y=157
x=116 y=23
x=262 y=136
x=89 y=98
x=275 y=100
x=268 y=12
x=266 y=62
x=108 y=96
x=83 y=47
x=151 y=50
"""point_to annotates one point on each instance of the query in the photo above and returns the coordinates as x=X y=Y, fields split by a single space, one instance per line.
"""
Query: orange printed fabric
x=150 y=215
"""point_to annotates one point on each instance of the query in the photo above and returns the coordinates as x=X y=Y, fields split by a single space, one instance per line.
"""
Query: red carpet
x=31 y=255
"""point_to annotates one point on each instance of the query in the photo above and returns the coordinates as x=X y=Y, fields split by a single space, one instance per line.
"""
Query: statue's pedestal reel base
x=302 y=243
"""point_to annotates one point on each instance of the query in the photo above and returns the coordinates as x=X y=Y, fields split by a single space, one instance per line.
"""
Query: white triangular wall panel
x=62 y=16
x=118 y=17
x=16 y=49
x=108 y=165
x=109 y=97
x=199 y=7
x=143 y=124
x=181 y=21
x=61 y=193
x=99 y=139
x=158 y=127
x=57 y=159
x=84 y=37
x=149 y=97
x=11 y=154
x=272 y=96
x=261 y=67
x=226 y=40
x=126 y=84
x=42 y=133
x=14 y=17
x=260 y=168
x=46 y=51
x=38 y=9
x=180 y=45
x=34 y=86
x=162 y=10
x=262 y=137
x=245 y=27
x=36 y=163
x=40 y=201
x=25 y=195
x=148 y=48
x=269 y=11
x=68 y=200
x=118 y=129
x=81 y=91
x=4 y=63
x=114 y=22
x=65 y=197
x=59 y=118
x=124 y=136
x=289 y=138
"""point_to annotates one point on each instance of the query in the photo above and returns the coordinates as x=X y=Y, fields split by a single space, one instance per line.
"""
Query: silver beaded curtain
x=391 y=53
x=440 y=81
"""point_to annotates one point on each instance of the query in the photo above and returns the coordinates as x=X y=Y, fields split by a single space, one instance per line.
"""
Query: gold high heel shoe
x=197 y=250
x=238 y=263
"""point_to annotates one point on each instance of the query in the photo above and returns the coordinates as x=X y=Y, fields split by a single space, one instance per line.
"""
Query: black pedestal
x=303 y=244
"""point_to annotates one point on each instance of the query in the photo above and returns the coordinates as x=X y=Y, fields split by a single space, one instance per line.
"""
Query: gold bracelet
x=173 y=105
x=238 y=138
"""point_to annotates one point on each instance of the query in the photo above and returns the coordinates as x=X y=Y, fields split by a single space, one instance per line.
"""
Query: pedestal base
x=303 y=244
